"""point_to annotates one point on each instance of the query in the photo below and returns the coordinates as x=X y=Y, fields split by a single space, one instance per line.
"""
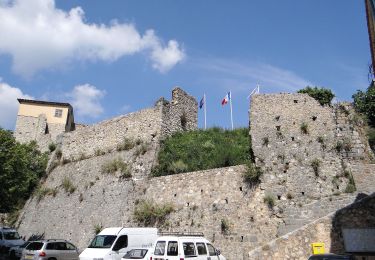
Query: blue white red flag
x=226 y=99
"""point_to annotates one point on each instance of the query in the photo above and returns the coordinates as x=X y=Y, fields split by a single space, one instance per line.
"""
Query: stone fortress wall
x=206 y=199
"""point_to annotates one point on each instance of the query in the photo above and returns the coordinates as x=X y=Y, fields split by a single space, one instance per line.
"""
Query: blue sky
x=112 y=57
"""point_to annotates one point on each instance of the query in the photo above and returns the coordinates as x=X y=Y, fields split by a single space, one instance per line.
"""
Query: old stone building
x=42 y=121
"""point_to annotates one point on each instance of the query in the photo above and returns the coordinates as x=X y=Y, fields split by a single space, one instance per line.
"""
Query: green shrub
x=204 y=149
x=304 y=128
x=323 y=95
x=115 y=165
x=265 y=141
x=350 y=187
x=371 y=138
x=339 y=146
x=99 y=152
x=364 y=102
x=126 y=144
x=68 y=185
x=41 y=192
x=252 y=173
x=269 y=200
x=97 y=228
x=149 y=213
x=52 y=147
x=225 y=226
x=177 y=167
x=315 y=164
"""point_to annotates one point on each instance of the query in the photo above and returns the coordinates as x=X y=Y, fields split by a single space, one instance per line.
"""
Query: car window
x=135 y=254
x=201 y=248
x=11 y=235
x=121 y=242
x=211 y=250
x=159 y=248
x=35 y=246
x=70 y=246
x=189 y=249
x=51 y=246
x=102 y=241
x=172 y=248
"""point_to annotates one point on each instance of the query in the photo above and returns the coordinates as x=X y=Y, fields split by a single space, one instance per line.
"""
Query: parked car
x=331 y=257
x=16 y=251
x=138 y=253
x=114 y=243
x=57 y=249
x=178 y=246
x=9 y=237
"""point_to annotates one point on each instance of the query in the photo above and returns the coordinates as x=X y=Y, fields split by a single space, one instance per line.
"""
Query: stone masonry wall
x=327 y=230
x=180 y=114
x=144 y=125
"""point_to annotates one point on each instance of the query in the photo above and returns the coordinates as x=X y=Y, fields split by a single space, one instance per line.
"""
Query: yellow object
x=318 y=248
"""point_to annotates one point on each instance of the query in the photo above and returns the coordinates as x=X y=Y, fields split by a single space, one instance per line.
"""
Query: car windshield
x=136 y=254
x=11 y=235
x=25 y=244
x=102 y=241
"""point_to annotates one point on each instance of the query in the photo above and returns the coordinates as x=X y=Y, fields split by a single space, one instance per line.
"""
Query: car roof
x=182 y=238
x=49 y=240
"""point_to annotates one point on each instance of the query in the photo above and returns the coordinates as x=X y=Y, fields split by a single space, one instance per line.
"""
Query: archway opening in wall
x=46 y=131
x=183 y=120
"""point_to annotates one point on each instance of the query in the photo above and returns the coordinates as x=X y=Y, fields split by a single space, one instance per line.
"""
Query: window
x=172 y=248
x=189 y=249
x=70 y=246
x=58 y=112
x=211 y=250
x=34 y=246
x=11 y=236
x=56 y=246
x=102 y=241
x=121 y=242
x=159 y=248
x=201 y=248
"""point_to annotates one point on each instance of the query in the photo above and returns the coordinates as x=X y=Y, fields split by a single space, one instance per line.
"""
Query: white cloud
x=9 y=105
x=85 y=100
x=38 y=36
x=247 y=75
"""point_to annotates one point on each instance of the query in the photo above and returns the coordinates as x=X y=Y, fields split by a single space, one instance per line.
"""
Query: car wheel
x=12 y=255
x=52 y=258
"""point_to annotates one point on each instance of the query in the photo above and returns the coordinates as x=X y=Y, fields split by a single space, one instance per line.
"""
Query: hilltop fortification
x=315 y=160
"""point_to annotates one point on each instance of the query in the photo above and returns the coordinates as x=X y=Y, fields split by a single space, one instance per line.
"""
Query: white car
x=183 y=246
x=114 y=243
x=16 y=251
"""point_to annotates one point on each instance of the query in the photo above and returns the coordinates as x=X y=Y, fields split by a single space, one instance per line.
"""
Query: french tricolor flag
x=226 y=99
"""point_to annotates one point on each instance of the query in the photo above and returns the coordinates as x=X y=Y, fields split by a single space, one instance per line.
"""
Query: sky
x=109 y=58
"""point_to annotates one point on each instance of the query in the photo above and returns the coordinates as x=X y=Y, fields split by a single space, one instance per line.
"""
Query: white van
x=114 y=243
x=182 y=246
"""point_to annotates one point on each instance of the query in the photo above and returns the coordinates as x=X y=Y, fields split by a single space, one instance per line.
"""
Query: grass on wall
x=203 y=149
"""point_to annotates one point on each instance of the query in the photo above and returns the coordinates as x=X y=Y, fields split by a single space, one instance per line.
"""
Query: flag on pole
x=226 y=99
x=201 y=103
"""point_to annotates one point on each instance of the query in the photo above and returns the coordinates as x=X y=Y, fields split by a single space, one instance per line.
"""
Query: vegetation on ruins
x=203 y=149
x=364 y=103
x=68 y=185
x=323 y=95
x=111 y=167
x=269 y=199
x=149 y=213
x=21 y=167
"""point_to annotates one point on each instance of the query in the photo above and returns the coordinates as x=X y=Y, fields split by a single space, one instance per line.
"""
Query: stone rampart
x=144 y=126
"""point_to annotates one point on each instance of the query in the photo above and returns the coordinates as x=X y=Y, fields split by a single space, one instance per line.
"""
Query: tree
x=364 y=102
x=323 y=95
x=21 y=167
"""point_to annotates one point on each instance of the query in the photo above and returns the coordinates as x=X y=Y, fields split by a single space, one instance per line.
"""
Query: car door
x=212 y=252
x=201 y=251
x=119 y=248
x=71 y=251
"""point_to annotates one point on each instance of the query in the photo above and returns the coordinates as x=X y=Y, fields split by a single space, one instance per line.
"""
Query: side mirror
x=218 y=252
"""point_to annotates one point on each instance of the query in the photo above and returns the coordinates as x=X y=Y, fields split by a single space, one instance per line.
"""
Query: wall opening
x=295 y=101
x=241 y=238
x=183 y=121
x=292 y=138
x=46 y=131
x=278 y=127
x=303 y=193
x=277 y=118
x=240 y=188
x=314 y=118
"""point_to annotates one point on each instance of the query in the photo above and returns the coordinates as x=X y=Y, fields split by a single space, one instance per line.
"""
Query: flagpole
x=230 y=103
x=204 y=98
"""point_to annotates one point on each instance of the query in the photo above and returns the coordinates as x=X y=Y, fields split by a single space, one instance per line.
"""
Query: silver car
x=56 y=249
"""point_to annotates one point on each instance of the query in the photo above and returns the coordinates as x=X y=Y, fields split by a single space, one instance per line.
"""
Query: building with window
x=42 y=121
